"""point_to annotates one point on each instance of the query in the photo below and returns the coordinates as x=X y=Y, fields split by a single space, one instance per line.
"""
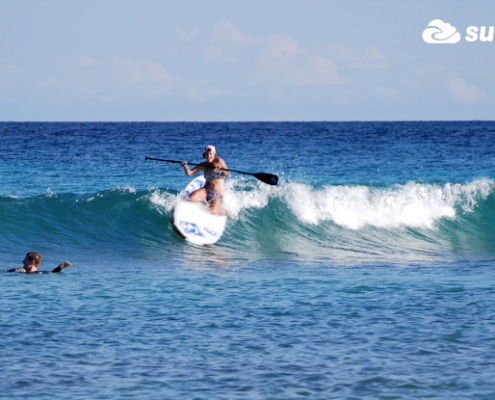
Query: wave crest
x=414 y=205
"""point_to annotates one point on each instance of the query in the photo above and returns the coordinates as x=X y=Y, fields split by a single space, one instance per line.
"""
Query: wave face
x=293 y=222
x=413 y=221
x=377 y=192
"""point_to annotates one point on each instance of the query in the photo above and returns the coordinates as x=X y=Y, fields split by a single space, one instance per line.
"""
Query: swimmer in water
x=32 y=262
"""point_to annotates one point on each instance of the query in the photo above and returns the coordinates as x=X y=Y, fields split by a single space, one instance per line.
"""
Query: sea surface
x=368 y=272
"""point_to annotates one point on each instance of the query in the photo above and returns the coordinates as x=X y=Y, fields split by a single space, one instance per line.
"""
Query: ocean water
x=368 y=272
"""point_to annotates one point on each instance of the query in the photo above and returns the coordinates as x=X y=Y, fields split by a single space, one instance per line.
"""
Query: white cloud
x=227 y=43
x=285 y=62
x=283 y=48
x=106 y=80
x=322 y=70
x=200 y=92
x=85 y=62
x=452 y=83
x=464 y=92
x=187 y=35
x=373 y=54
x=143 y=72
x=369 y=57
x=229 y=33
x=342 y=53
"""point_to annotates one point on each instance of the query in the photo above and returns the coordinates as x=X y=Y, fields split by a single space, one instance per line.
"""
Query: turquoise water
x=367 y=273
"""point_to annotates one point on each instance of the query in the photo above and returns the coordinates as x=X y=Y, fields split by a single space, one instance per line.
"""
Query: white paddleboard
x=194 y=221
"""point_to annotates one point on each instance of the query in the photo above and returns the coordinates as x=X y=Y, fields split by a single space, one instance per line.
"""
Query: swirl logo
x=441 y=32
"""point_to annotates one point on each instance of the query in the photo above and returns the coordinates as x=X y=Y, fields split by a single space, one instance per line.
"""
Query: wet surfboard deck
x=194 y=221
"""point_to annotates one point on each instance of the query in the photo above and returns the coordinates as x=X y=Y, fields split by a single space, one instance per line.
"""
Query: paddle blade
x=267 y=178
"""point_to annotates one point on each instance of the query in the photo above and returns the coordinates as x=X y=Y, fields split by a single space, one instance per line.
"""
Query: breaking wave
x=293 y=222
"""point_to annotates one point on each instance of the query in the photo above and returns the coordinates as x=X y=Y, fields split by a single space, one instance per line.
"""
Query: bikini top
x=213 y=175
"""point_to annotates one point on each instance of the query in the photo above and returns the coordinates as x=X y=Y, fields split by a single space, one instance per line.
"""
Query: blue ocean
x=368 y=272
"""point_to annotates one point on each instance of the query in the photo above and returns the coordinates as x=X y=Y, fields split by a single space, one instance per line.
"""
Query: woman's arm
x=223 y=165
x=188 y=171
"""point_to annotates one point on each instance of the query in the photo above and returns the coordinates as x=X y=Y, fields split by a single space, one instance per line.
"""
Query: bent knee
x=198 y=195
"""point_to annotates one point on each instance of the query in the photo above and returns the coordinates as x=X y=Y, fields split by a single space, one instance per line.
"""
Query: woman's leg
x=216 y=206
x=198 y=195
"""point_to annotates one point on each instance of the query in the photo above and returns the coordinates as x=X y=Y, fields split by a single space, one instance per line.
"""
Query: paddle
x=270 y=179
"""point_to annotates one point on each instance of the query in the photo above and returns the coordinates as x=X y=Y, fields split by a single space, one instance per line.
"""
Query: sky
x=256 y=60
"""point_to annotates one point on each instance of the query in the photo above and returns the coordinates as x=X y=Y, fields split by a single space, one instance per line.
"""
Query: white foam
x=164 y=201
x=237 y=198
x=415 y=205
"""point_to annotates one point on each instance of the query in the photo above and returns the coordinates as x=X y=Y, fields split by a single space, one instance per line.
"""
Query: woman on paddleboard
x=215 y=174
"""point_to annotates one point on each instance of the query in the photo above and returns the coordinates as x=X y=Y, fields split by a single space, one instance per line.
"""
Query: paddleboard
x=194 y=221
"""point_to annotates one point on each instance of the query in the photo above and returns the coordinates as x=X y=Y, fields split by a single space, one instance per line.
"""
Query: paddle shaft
x=267 y=178
x=190 y=163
